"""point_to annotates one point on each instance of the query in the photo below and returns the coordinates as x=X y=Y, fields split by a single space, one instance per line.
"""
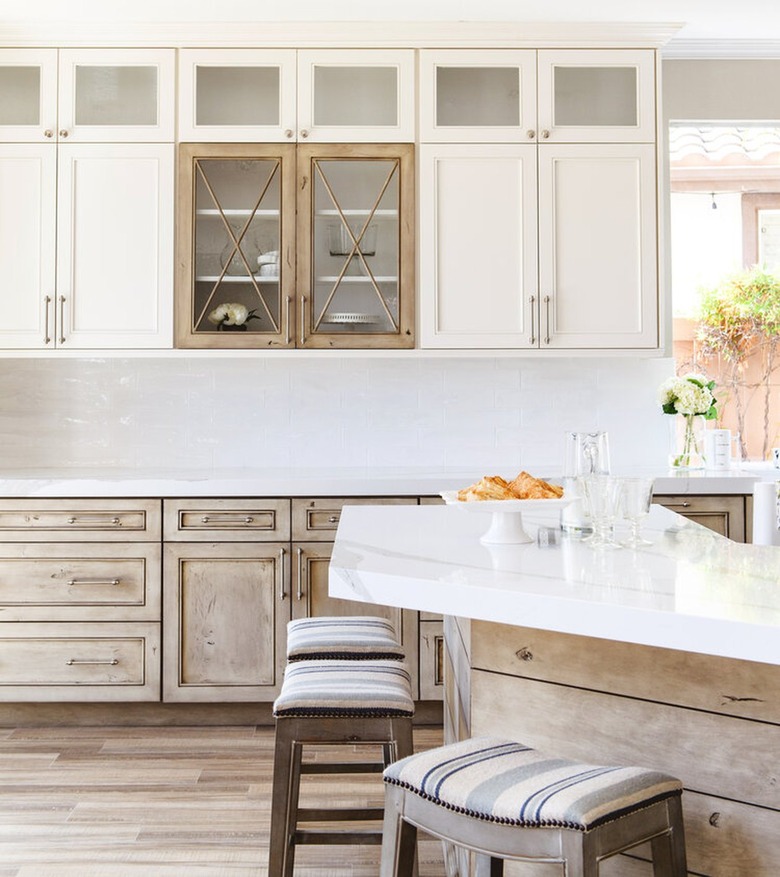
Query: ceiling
x=707 y=20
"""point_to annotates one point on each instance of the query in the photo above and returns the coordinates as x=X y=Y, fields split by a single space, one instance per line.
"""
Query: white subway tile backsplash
x=190 y=414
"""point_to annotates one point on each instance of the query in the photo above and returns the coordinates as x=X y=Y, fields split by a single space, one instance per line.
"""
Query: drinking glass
x=601 y=494
x=636 y=497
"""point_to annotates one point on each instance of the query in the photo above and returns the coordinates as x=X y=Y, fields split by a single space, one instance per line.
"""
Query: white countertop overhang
x=691 y=590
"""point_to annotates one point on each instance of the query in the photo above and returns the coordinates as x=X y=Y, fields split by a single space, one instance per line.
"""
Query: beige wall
x=721 y=89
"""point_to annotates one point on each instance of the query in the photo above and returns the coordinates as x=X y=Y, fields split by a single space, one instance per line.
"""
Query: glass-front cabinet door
x=590 y=95
x=235 y=263
x=28 y=95
x=473 y=95
x=355 y=246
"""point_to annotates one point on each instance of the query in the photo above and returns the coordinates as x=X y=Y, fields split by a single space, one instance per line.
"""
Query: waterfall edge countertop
x=326 y=481
x=690 y=590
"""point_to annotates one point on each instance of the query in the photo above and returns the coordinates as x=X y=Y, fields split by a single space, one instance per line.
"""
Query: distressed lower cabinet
x=80 y=595
x=730 y=515
x=227 y=599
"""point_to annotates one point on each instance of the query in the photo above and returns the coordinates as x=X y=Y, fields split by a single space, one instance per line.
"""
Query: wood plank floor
x=159 y=802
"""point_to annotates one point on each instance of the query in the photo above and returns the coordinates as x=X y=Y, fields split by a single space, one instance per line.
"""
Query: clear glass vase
x=688 y=442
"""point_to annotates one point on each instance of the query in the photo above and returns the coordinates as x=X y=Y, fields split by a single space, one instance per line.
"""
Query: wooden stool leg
x=669 y=858
x=401 y=734
x=580 y=858
x=488 y=866
x=399 y=837
x=280 y=801
x=292 y=807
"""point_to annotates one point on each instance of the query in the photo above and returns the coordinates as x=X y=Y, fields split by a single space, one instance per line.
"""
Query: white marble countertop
x=324 y=481
x=691 y=590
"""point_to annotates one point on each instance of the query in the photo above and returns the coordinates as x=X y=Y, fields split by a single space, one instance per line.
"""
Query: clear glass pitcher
x=585 y=453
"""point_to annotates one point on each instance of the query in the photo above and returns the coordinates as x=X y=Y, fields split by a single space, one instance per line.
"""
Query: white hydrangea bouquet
x=691 y=396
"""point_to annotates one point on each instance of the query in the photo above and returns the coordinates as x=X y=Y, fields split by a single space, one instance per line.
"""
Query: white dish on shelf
x=506 y=525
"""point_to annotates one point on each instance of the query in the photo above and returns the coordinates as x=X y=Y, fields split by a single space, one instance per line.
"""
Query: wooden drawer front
x=79 y=662
x=723 y=514
x=79 y=520
x=318 y=519
x=80 y=582
x=228 y=520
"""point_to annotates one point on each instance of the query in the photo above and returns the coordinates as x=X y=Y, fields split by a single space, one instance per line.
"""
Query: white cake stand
x=506 y=522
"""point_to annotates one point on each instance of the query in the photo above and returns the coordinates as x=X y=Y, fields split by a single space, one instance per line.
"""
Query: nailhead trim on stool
x=342 y=638
x=345 y=688
x=503 y=781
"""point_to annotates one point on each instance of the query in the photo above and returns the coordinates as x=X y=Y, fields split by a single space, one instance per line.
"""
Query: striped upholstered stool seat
x=334 y=703
x=509 y=801
x=346 y=638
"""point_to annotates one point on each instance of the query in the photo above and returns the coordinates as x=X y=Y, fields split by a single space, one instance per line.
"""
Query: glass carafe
x=585 y=453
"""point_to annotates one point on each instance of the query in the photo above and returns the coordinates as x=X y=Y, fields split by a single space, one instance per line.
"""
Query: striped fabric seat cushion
x=345 y=638
x=345 y=688
x=503 y=781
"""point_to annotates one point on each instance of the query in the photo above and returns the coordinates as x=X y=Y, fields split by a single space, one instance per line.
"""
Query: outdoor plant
x=739 y=319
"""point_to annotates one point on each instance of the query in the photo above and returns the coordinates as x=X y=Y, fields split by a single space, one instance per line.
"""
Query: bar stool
x=504 y=800
x=345 y=638
x=334 y=703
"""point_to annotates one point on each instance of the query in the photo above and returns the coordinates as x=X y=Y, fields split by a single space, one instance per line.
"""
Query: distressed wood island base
x=665 y=658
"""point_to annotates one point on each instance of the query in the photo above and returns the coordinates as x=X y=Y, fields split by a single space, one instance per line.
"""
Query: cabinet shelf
x=377 y=214
x=238 y=211
x=232 y=278
x=361 y=278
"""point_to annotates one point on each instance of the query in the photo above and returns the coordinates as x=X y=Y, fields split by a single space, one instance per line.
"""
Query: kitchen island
x=668 y=656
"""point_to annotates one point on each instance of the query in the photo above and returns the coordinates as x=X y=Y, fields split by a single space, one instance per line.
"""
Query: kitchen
x=183 y=423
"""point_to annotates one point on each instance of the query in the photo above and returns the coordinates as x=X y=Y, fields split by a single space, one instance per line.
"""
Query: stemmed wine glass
x=636 y=495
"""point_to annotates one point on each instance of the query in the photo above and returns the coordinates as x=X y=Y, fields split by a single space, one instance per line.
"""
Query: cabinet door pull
x=303 y=319
x=62 y=319
x=530 y=133
x=333 y=519
x=95 y=519
x=282 y=593
x=545 y=135
x=113 y=582
x=48 y=133
x=288 y=133
x=111 y=661
x=299 y=592
x=287 y=304
x=46 y=306
x=227 y=519
x=63 y=133
x=304 y=133
x=547 y=319
x=532 y=302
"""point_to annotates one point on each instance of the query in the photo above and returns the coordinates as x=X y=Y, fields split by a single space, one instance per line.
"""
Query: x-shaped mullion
x=236 y=244
x=356 y=251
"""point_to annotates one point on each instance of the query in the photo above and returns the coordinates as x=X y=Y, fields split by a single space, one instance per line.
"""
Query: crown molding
x=324 y=34
x=720 y=49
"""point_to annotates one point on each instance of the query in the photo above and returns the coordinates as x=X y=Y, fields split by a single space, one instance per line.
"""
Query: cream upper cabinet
x=478 y=250
x=477 y=95
x=93 y=185
x=596 y=95
x=597 y=246
x=323 y=95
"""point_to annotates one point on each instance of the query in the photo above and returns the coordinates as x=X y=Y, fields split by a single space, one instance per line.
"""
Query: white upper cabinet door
x=356 y=95
x=115 y=257
x=597 y=246
x=597 y=96
x=117 y=95
x=28 y=176
x=237 y=95
x=477 y=246
x=477 y=95
x=28 y=95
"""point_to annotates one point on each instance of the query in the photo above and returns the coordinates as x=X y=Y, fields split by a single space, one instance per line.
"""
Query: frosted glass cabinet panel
x=237 y=95
x=28 y=95
x=596 y=96
x=475 y=95
x=478 y=246
x=355 y=209
x=236 y=268
x=116 y=94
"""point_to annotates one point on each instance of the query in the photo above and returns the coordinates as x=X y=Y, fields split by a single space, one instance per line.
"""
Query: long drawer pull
x=227 y=519
x=94 y=519
x=73 y=661
x=677 y=505
x=333 y=519
x=93 y=582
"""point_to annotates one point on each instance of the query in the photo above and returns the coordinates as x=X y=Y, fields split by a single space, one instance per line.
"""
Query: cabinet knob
x=63 y=133
x=545 y=135
x=48 y=133
x=530 y=133
x=304 y=133
x=288 y=133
